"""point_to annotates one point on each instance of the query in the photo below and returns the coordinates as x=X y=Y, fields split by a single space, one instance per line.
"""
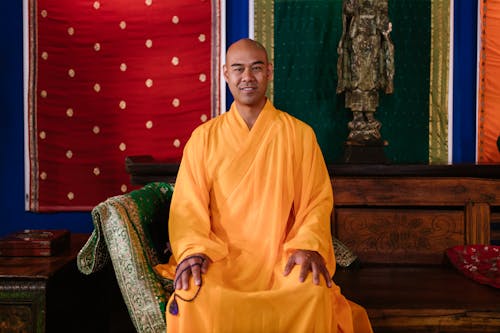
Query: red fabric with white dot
x=110 y=79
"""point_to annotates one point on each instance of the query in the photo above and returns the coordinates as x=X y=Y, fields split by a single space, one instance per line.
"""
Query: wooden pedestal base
x=365 y=154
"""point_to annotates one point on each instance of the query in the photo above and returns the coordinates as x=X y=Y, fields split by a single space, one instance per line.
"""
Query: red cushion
x=478 y=262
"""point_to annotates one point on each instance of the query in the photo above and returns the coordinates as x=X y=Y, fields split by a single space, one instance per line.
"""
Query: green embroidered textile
x=125 y=233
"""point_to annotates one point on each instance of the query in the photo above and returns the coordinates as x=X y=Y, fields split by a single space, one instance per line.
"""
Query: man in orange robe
x=250 y=220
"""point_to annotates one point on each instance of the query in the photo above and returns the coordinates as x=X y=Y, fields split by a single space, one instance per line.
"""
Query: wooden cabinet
x=49 y=294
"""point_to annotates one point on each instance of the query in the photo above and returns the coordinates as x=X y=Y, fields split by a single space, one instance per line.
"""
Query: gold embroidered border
x=264 y=31
x=31 y=198
x=439 y=79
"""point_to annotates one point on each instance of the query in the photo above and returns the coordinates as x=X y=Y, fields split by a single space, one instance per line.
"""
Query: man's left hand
x=310 y=261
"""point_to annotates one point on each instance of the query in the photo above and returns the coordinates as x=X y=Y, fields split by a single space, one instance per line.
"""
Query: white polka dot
x=123 y=105
x=43 y=135
x=177 y=143
x=97 y=171
x=45 y=55
x=97 y=87
x=122 y=146
x=202 y=38
x=123 y=25
x=69 y=112
x=149 y=124
x=123 y=188
x=97 y=47
x=148 y=2
x=176 y=102
x=123 y=67
x=149 y=83
x=69 y=154
x=96 y=129
x=97 y=5
x=71 y=195
x=203 y=117
x=175 y=19
x=71 y=31
x=175 y=61
x=71 y=72
x=149 y=43
x=43 y=13
x=43 y=175
x=203 y=77
x=43 y=93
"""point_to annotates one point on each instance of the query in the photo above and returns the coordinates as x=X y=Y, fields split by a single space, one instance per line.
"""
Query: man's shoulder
x=208 y=126
x=297 y=124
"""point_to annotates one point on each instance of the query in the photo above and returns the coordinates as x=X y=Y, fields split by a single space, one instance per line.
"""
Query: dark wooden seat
x=421 y=299
x=399 y=220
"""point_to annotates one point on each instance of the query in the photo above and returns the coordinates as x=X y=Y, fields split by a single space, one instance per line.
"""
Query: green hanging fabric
x=303 y=47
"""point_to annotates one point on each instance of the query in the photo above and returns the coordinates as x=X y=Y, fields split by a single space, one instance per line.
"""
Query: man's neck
x=250 y=113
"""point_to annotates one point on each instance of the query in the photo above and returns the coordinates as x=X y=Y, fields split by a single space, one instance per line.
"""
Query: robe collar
x=267 y=113
x=228 y=178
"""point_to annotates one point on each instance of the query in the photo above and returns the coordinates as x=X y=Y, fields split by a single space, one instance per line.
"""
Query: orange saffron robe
x=247 y=199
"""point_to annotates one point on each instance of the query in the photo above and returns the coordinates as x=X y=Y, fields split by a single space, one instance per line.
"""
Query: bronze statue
x=365 y=65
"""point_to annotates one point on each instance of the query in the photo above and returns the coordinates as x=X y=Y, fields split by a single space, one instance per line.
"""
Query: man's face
x=247 y=72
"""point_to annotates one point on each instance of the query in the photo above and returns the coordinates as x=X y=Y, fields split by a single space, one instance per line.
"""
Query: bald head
x=247 y=44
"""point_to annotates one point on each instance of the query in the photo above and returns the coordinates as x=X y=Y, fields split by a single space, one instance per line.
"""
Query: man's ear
x=224 y=72
x=270 y=71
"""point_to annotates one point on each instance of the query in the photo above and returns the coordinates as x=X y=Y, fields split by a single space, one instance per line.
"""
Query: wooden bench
x=399 y=220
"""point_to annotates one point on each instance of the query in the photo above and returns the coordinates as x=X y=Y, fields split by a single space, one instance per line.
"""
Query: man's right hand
x=194 y=265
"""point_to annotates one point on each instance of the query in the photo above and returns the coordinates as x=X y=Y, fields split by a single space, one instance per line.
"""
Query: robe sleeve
x=313 y=202
x=189 y=221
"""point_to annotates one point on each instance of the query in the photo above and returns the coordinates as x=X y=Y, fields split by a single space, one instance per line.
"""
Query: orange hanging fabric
x=488 y=150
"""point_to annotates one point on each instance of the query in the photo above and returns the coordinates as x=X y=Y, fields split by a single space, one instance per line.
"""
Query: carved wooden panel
x=399 y=236
x=22 y=305
x=15 y=318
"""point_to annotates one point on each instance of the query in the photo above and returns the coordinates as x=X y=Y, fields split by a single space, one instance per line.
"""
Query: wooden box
x=34 y=243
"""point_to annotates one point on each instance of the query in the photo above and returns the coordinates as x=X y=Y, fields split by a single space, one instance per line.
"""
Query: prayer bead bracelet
x=174 y=307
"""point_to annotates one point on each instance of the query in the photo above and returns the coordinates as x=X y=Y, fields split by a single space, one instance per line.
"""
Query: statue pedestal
x=365 y=154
